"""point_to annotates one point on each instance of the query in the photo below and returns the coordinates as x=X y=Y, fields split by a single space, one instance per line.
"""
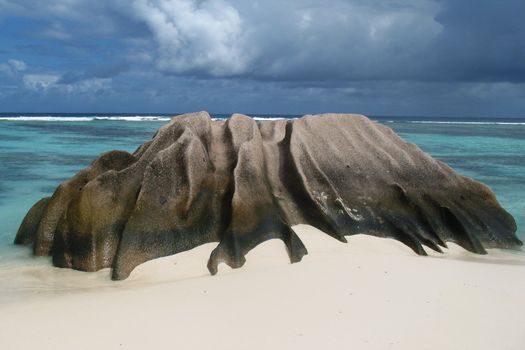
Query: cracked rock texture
x=240 y=182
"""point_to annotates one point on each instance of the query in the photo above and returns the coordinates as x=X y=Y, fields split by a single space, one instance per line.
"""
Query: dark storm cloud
x=449 y=56
x=481 y=41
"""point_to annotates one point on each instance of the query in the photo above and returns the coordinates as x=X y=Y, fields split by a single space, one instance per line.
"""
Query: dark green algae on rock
x=240 y=182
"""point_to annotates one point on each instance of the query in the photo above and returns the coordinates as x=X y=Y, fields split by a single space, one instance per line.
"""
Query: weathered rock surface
x=240 y=182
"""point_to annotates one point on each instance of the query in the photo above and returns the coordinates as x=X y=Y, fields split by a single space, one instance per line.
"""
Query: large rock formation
x=240 y=182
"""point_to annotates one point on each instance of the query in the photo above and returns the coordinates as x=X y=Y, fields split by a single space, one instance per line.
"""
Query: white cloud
x=271 y=39
x=308 y=40
x=195 y=36
x=278 y=39
x=46 y=82
x=17 y=65
x=12 y=67
x=87 y=86
x=39 y=82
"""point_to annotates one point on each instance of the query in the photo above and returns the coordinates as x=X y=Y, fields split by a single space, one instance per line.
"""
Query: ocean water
x=38 y=152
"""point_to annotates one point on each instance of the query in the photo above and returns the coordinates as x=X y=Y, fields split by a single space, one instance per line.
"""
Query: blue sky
x=400 y=57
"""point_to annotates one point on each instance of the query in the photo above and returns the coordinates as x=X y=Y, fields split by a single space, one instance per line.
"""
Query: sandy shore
x=369 y=294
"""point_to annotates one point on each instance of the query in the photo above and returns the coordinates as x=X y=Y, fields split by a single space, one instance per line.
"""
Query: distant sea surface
x=39 y=151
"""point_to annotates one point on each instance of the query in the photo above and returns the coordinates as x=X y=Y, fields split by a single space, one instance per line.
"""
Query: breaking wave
x=138 y=118
x=459 y=122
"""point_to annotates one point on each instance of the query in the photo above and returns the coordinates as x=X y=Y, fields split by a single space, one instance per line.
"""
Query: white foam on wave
x=137 y=118
x=48 y=119
x=460 y=122
x=126 y=118
x=272 y=118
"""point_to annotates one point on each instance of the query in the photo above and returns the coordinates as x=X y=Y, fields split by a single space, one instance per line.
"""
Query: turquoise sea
x=37 y=152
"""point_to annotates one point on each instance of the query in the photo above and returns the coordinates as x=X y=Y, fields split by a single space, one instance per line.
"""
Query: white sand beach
x=371 y=293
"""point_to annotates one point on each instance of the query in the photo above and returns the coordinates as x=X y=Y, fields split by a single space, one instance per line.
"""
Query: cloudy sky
x=378 y=57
